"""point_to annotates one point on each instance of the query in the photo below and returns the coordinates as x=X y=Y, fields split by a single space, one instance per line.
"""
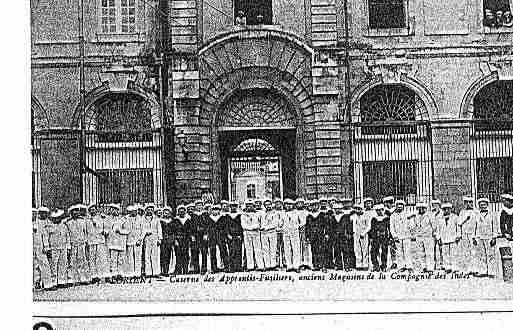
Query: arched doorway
x=257 y=145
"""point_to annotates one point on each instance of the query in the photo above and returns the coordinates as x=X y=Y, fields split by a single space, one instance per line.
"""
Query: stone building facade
x=354 y=98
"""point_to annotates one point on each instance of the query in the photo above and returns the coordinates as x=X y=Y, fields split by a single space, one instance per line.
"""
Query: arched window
x=123 y=117
x=494 y=103
x=254 y=146
x=390 y=103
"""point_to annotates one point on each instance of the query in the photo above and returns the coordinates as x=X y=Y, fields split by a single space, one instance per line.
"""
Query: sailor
x=327 y=218
x=447 y=236
x=389 y=203
x=250 y=222
x=361 y=239
x=167 y=252
x=506 y=216
x=133 y=257
x=379 y=233
x=98 y=252
x=423 y=230
x=40 y=247
x=487 y=230
x=344 y=232
x=59 y=242
x=152 y=238
x=179 y=228
x=291 y=241
x=116 y=242
x=400 y=230
x=465 y=258
x=436 y=213
x=306 y=253
x=314 y=231
x=280 y=249
x=225 y=207
x=195 y=212
x=368 y=204
x=214 y=239
x=234 y=236
x=221 y=233
x=76 y=224
x=269 y=223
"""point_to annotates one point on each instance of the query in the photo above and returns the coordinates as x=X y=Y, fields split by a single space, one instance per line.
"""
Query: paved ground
x=284 y=286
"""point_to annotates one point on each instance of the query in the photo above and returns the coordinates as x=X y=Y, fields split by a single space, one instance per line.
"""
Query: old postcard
x=272 y=150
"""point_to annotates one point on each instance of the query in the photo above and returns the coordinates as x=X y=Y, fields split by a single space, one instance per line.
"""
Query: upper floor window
x=118 y=16
x=253 y=12
x=387 y=14
x=497 y=13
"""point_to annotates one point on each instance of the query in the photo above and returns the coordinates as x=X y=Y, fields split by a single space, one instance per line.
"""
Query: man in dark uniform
x=234 y=238
x=206 y=239
x=179 y=228
x=327 y=219
x=217 y=238
x=344 y=240
x=168 y=240
x=192 y=230
x=506 y=216
x=314 y=232
x=379 y=233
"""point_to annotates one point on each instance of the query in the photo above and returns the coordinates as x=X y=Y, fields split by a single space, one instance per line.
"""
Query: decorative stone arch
x=104 y=90
x=431 y=109
x=39 y=116
x=467 y=104
x=254 y=59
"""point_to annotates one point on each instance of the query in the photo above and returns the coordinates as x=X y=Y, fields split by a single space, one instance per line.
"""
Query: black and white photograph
x=271 y=151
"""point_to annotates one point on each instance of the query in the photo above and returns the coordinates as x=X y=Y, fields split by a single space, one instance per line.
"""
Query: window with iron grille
x=387 y=14
x=118 y=16
x=494 y=177
x=497 y=14
x=390 y=178
x=122 y=117
x=251 y=190
x=126 y=186
x=254 y=11
x=389 y=103
x=493 y=104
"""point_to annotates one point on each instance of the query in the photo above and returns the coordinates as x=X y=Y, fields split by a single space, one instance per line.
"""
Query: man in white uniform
x=447 y=237
x=423 y=230
x=465 y=259
x=250 y=222
x=400 y=230
x=291 y=237
x=40 y=247
x=361 y=238
x=487 y=230
x=270 y=220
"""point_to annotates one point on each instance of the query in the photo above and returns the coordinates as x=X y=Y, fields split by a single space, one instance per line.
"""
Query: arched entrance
x=257 y=145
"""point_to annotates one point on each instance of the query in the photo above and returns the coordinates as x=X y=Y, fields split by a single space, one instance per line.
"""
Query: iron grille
x=493 y=105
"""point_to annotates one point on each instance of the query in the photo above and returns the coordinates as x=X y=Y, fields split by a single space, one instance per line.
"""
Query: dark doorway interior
x=284 y=143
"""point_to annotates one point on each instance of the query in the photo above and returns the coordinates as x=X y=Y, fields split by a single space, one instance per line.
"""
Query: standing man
x=423 y=229
x=78 y=237
x=361 y=239
x=306 y=254
x=168 y=241
x=234 y=236
x=314 y=231
x=436 y=213
x=117 y=241
x=447 y=236
x=216 y=238
x=180 y=224
x=328 y=220
x=465 y=256
x=506 y=216
x=487 y=230
x=291 y=237
x=40 y=247
x=98 y=252
x=59 y=242
x=192 y=229
x=268 y=235
x=250 y=222
x=389 y=202
x=280 y=254
x=400 y=231
x=152 y=232
x=133 y=259
x=379 y=233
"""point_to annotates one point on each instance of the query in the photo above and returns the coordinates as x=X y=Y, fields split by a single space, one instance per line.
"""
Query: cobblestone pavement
x=283 y=286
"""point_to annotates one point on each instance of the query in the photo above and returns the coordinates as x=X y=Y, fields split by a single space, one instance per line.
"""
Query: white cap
x=34 y=209
x=216 y=207
x=249 y=202
x=77 y=207
x=288 y=201
x=190 y=205
x=421 y=204
x=181 y=206
x=147 y=205
x=300 y=200
x=468 y=199
x=368 y=199
x=224 y=201
x=483 y=200
x=358 y=206
x=446 y=205
x=436 y=201
x=388 y=199
x=379 y=207
x=43 y=209
x=57 y=214
x=167 y=208
x=115 y=206
x=507 y=196
x=400 y=201
x=131 y=208
x=314 y=201
x=346 y=200
x=268 y=200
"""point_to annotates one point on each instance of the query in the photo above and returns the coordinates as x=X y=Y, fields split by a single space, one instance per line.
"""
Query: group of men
x=98 y=243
